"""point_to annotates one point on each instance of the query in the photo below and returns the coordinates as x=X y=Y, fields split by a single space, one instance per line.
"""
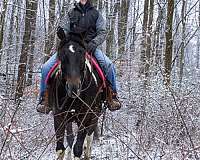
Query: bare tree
x=29 y=17
x=177 y=42
x=100 y=4
x=144 y=33
x=149 y=53
x=157 y=36
x=2 y=21
x=50 y=37
x=122 y=24
x=182 y=53
x=32 y=43
x=198 y=40
x=10 y=49
x=169 y=40
x=111 y=17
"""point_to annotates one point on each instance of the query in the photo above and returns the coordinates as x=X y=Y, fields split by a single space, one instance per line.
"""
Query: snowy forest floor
x=149 y=126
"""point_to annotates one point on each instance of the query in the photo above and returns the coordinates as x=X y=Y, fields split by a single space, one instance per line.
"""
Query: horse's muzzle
x=73 y=90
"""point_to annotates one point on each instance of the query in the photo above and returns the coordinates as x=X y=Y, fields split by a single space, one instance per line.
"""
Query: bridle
x=60 y=78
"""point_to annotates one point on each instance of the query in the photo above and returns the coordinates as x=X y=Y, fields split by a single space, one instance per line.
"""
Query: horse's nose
x=78 y=89
x=73 y=90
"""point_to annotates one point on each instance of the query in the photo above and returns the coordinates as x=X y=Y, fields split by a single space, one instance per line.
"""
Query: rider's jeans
x=105 y=63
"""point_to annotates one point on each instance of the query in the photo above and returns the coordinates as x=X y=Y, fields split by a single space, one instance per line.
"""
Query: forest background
x=155 y=45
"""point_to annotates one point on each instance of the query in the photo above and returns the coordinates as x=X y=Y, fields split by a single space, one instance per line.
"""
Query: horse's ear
x=84 y=45
x=62 y=43
x=60 y=49
x=78 y=38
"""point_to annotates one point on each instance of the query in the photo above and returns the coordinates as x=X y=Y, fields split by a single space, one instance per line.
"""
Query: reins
x=83 y=79
x=82 y=82
x=59 y=82
x=60 y=107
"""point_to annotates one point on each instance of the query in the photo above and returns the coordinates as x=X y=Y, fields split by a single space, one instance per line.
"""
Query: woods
x=28 y=41
x=155 y=46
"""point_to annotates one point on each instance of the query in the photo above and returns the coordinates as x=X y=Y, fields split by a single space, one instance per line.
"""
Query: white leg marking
x=60 y=154
x=68 y=153
x=87 y=146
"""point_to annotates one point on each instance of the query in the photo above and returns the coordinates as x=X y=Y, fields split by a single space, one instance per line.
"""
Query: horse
x=75 y=95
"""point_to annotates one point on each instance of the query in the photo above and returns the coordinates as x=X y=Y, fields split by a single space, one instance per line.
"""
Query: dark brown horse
x=75 y=96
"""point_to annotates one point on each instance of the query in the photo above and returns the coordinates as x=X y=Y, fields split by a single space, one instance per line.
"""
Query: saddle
x=90 y=63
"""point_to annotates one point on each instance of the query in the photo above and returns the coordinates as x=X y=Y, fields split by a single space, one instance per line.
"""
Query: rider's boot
x=43 y=105
x=113 y=101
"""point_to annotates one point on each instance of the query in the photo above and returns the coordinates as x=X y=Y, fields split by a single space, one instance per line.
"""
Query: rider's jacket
x=86 y=21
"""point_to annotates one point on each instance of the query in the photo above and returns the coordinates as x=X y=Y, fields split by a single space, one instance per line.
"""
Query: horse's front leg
x=89 y=138
x=70 y=140
x=87 y=146
x=59 y=126
x=78 y=147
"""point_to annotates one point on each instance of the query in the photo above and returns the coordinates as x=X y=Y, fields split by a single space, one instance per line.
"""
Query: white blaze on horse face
x=71 y=48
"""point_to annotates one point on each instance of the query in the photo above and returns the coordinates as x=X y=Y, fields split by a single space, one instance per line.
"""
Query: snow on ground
x=144 y=130
x=32 y=134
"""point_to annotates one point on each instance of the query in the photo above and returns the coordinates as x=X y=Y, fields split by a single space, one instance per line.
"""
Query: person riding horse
x=86 y=21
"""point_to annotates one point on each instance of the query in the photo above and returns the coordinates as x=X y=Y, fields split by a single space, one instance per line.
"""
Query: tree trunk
x=183 y=15
x=149 y=37
x=18 y=44
x=198 y=40
x=21 y=79
x=10 y=50
x=65 y=7
x=2 y=21
x=133 y=32
x=177 y=22
x=32 y=44
x=51 y=29
x=157 y=44
x=169 y=41
x=100 y=4
x=144 y=43
x=111 y=17
x=122 y=25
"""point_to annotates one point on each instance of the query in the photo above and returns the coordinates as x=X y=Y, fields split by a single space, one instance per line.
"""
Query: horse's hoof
x=60 y=154
x=68 y=153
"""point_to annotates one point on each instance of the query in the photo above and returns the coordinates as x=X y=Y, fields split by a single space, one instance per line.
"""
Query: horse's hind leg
x=59 y=125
